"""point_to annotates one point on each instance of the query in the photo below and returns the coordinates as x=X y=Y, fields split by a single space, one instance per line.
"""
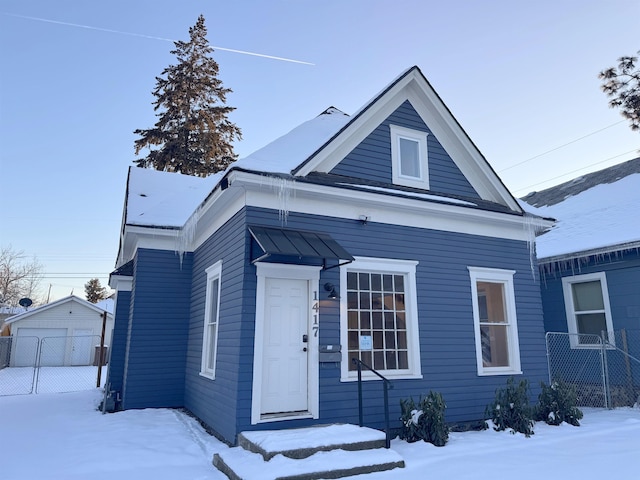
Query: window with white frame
x=211 y=321
x=586 y=301
x=379 y=321
x=409 y=157
x=494 y=314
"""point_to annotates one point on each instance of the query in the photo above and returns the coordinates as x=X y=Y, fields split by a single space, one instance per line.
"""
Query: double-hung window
x=409 y=157
x=211 y=321
x=586 y=301
x=494 y=314
x=379 y=321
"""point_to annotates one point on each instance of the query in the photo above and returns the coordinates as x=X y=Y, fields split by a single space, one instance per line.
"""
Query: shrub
x=424 y=421
x=511 y=409
x=557 y=404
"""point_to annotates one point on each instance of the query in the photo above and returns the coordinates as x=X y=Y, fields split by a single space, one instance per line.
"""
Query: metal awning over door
x=298 y=244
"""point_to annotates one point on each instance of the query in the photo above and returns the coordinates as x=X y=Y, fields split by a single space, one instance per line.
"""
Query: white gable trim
x=415 y=88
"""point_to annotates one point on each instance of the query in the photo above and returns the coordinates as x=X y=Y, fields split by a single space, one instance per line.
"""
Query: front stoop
x=332 y=451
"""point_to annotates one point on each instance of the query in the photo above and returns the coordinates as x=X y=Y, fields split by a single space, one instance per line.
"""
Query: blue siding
x=119 y=341
x=447 y=339
x=371 y=160
x=157 y=334
x=622 y=270
x=167 y=304
x=215 y=401
x=623 y=282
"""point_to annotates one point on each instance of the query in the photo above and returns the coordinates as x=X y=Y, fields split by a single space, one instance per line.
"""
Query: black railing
x=386 y=385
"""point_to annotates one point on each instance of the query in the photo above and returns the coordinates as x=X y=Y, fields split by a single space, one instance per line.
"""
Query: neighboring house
x=66 y=332
x=385 y=236
x=590 y=261
x=6 y=312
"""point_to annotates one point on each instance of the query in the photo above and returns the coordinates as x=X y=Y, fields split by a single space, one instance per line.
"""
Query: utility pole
x=101 y=351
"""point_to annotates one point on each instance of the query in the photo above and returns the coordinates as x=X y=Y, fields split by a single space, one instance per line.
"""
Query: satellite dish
x=25 y=302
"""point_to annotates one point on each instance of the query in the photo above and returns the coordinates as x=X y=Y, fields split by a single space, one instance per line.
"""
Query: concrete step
x=330 y=451
x=240 y=464
x=304 y=442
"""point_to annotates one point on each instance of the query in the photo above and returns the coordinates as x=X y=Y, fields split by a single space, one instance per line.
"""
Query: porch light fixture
x=329 y=287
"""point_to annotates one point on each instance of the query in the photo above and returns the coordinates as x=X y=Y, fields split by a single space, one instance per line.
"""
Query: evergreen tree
x=193 y=132
x=623 y=85
x=94 y=292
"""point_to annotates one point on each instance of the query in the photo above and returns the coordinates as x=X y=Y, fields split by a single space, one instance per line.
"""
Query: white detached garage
x=66 y=332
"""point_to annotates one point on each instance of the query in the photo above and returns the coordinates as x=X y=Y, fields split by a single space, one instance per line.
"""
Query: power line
x=561 y=146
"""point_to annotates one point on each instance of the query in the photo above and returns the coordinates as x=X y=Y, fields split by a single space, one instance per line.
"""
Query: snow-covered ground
x=63 y=436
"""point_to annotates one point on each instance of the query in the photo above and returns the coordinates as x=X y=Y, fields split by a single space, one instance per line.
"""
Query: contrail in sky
x=89 y=27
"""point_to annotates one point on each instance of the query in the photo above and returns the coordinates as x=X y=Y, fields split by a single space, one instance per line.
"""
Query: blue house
x=590 y=267
x=383 y=236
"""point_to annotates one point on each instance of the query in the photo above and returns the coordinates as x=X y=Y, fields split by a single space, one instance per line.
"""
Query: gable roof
x=596 y=213
x=183 y=209
x=162 y=199
x=412 y=85
x=106 y=306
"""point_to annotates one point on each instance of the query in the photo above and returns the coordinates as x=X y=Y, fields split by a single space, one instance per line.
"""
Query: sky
x=76 y=80
x=71 y=440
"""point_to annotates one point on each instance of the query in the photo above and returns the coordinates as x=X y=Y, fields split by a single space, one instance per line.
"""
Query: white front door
x=81 y=345
x=285 y=346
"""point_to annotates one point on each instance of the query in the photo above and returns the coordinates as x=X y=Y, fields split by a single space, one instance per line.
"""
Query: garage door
x=52 y=348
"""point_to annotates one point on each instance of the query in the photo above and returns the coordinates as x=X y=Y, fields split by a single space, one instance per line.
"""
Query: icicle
x=184 y=236
x=285 y=189
x=531 y=229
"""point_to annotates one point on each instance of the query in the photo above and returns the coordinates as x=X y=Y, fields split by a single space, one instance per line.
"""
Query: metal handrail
x=386 y=385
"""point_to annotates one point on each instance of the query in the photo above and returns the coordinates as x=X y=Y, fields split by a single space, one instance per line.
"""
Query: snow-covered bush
x=511 y=409
x=557 y=404
x=425 y=420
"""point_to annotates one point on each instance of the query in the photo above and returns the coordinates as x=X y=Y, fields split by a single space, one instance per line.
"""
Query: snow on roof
x=166 y=199
x=287 y=152
x=595 y=219
x=107 y=304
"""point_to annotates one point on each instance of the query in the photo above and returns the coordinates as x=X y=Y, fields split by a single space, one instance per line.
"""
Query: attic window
x=409 y=157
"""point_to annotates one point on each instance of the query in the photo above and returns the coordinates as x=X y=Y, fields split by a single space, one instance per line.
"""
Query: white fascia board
x=452 y=137
x=257 y=190
x=352 y=204
x=135 y=237
x=121 y=283
x=565 y=257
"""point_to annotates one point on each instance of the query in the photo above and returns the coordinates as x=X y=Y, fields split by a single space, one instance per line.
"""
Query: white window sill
x=502 y=371
x=208 y=375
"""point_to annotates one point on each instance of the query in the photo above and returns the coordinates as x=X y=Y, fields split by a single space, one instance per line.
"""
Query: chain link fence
x=50 y=364
x=604 y=369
